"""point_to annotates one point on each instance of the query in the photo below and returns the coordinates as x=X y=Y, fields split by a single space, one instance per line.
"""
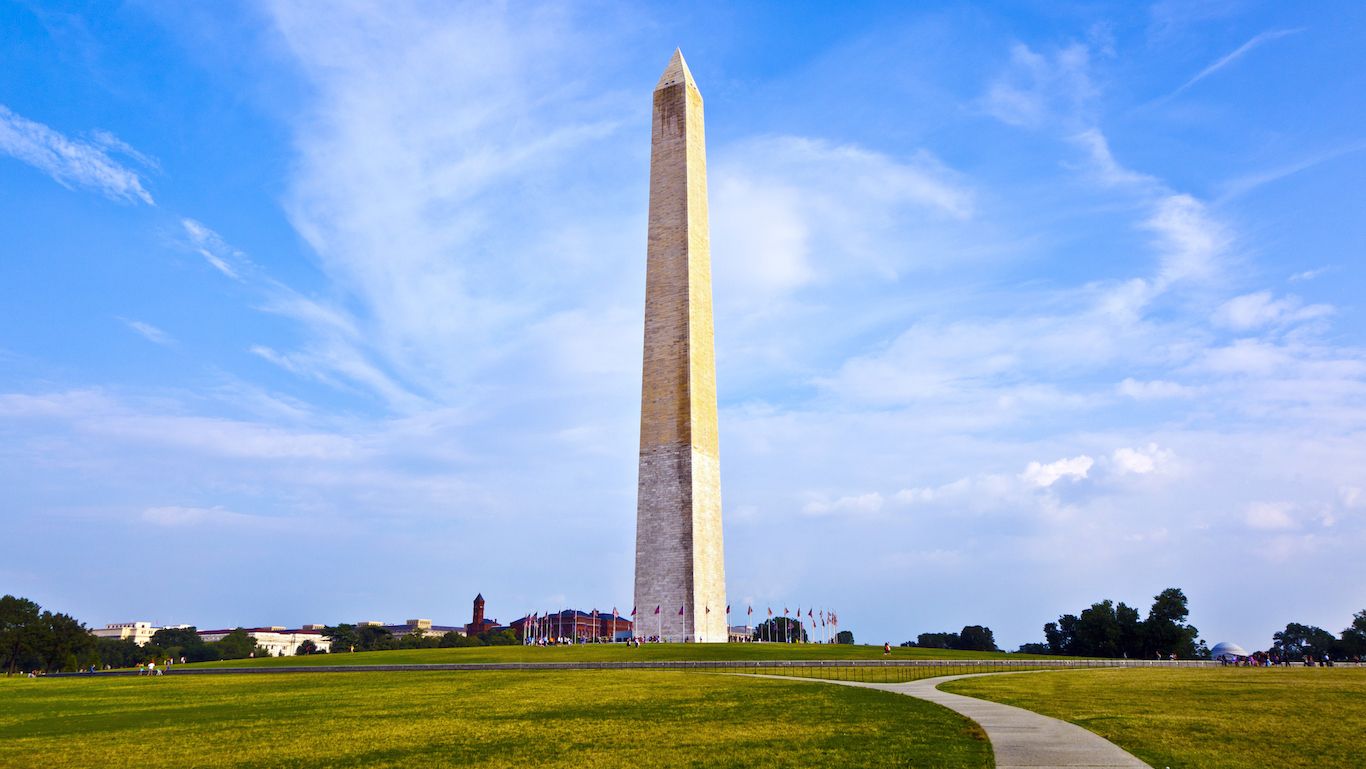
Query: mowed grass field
x=1210 y=718
x=497 y=718
x=619 y=653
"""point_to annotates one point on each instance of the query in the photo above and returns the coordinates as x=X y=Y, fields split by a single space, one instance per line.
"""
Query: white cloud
x=196 y=516
x=1108 y=170
x=789 y=211
x=1152 y=390
x=1309 y=274
x=1270 y=515
x=152 y=333
x=1226 y=60
x=1190 y=240
x=1139 y=461
x=860 y=503
x=1258 y=309
x=1036 y=89
x=111 y=142
x=1047 y=475
x=68 y=161
x=212 y=248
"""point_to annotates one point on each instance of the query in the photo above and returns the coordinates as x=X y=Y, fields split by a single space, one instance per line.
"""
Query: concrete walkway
x=1020 y=738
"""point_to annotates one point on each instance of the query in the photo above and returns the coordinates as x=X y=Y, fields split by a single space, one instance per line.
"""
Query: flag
x=680 y=609
x=633 y=611
x=656 y=610
x=770 y=611
x=784 y=611
x=808 y=612
x=728 y=608
x=709 y=610
x=751 y=611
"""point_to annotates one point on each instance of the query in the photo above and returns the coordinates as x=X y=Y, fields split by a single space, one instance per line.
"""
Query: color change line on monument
x=679 y=557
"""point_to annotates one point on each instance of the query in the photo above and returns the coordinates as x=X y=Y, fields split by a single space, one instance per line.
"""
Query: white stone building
x=140 y=632
x=277 y=641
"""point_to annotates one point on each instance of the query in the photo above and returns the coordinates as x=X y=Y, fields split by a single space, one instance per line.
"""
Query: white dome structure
x=1228 y=651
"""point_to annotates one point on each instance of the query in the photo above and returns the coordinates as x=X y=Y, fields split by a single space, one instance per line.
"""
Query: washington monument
x=680 y=570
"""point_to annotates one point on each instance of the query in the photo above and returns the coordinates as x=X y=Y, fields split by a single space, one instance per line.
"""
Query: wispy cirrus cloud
x=1230 y=58
x=150 y=332
x=210 y=246
x=70 y=162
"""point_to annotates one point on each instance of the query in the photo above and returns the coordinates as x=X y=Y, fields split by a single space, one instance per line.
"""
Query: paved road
x=1020 y=738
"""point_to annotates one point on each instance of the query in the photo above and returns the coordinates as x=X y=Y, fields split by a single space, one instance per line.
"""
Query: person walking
x=886 y=648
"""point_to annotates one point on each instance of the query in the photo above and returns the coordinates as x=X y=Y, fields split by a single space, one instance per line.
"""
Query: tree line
x=369 y=638
x=34 y=639
x=1298 y=641
x=973 y=638
x=1107 y=629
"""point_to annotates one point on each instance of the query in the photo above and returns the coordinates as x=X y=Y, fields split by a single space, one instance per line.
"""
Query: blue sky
x=328 y=312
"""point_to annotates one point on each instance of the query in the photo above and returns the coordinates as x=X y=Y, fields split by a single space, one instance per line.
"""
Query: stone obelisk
x=680 y=571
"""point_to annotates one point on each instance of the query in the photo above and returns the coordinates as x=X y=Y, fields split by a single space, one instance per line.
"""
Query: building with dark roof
x=580 y=626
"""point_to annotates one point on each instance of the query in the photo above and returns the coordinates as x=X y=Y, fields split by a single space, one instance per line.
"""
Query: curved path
x=1020 y=738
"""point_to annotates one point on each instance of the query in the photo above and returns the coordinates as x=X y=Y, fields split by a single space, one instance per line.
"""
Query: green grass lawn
x=503 y=718
x=620 y=652
x=1210 y=718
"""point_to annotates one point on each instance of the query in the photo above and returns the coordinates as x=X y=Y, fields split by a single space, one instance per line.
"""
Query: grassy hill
x=639 y=719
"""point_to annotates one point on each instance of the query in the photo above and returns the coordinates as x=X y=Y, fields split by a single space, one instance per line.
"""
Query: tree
x=177 y=638
x=185 y=642
x=1130 y=631
x=1109 y=630
x=374 y=638
x=61 y=639
x=453 y=639
x=120 y=652
x=780 y=629
x=937 y=640
x=237 y=645
x=1354 y=637
x=305 y=648
x=844 y=637
x=1298 y=640
x=1097 y=632
x=1165 y=631
x=1060 y=634
x=418 y=639
x=976 y=638
x=343 y=637
x=498 y=638
x=1034 y=648
x=19 y=630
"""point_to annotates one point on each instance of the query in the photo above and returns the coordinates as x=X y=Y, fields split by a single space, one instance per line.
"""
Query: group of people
x=151 y=669
x=1273 y=659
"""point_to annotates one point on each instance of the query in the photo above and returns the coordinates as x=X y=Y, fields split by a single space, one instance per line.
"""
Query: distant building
x=140 y=632
x=739 y=633
x=577 y=625
x=478 y=624
x=425 y=625
x=277 y=641
x=1228 y=652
